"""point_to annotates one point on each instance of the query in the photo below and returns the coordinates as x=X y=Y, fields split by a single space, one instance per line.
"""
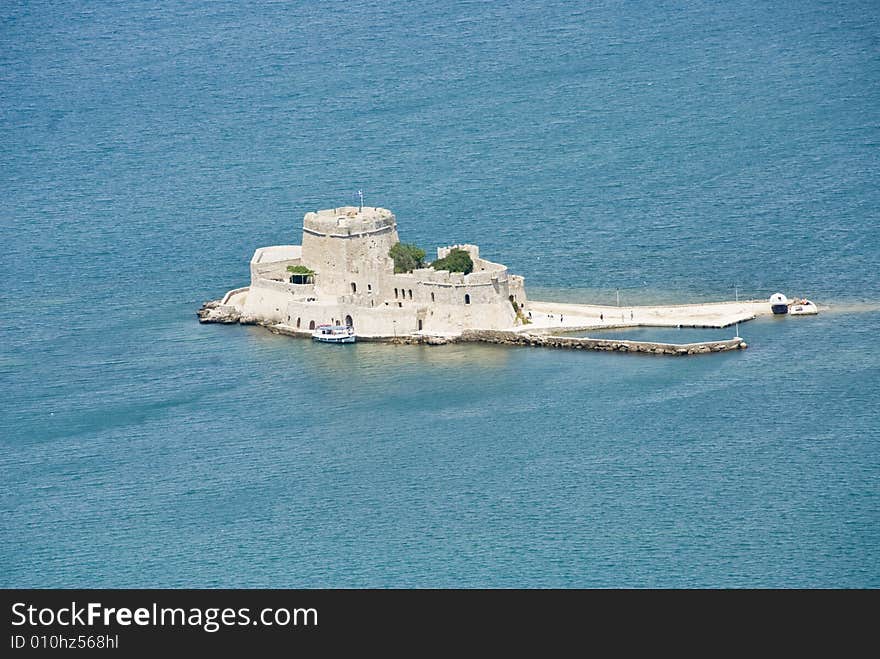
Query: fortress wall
x=307 y=312
x=448 y=318
x=482 y=265
x=473 y=250
x=391 y=319
x=385 y=321
x=272 y=262
x=429 y=275
x=404 y=283
x=293 y=290
x=230 y=294
x=267 y=300
x=378 y=321
x=272 y=270
x=486 y=276
x=479 y=293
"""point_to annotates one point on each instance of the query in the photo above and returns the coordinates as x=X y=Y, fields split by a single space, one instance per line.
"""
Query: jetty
x=538 y=340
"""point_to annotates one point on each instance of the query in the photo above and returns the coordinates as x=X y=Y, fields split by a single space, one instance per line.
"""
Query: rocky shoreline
x=215 y=312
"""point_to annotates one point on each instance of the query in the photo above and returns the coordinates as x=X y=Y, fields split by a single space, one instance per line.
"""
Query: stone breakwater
x=615 y=345
x=215 y=312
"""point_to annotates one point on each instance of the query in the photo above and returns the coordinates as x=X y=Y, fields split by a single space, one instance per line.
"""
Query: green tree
x=407 y=257
x=458 y=260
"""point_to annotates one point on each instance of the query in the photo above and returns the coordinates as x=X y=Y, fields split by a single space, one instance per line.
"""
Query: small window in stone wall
x=311 y=324
x=297 y=322
x=354 y=288
x=395 y=293
x=432 y=297
x=467 y=299
x=410 y=294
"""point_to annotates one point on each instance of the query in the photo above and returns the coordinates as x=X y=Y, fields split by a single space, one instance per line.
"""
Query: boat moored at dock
x=779 y=304
x=803 y=307
x=334 y=334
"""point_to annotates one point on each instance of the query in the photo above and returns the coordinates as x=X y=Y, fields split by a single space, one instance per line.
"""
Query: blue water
x=668 y=150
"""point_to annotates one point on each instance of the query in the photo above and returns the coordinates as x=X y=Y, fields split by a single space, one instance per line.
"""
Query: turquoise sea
x=671 y=150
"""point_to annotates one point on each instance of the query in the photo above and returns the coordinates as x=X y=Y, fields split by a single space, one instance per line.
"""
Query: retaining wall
x=647 y=347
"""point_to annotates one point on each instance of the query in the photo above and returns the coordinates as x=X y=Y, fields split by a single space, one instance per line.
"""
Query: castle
x=346 y=276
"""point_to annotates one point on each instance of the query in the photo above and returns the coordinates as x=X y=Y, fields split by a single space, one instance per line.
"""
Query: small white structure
x=354 y=283
x=778 y=303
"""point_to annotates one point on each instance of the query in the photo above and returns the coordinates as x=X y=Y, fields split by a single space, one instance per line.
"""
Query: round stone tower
x=348 y=248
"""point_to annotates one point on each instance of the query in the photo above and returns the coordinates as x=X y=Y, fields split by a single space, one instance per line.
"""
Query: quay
x=556 y=316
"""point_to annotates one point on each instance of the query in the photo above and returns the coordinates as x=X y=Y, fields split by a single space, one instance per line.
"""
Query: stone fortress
x=343 y=274
x=354 y=283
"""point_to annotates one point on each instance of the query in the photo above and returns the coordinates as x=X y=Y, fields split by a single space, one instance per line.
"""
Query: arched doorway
x=349 y=322
x=297 y=322
x=311 y=324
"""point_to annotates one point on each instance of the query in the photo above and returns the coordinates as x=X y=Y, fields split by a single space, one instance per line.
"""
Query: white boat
x=803 y=307
x=334 y=334
x=778 y=303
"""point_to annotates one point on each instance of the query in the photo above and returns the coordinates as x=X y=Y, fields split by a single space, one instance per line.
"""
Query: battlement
x=473 y=250
x=348 y=221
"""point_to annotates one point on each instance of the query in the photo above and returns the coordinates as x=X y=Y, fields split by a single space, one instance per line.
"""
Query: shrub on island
x=407 y=257
x=458 y=260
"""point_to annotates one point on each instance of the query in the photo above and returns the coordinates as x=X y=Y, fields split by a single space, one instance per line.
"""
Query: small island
x=351 y=270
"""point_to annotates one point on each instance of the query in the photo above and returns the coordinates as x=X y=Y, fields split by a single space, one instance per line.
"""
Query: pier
x=566 y=317
x=607 y=345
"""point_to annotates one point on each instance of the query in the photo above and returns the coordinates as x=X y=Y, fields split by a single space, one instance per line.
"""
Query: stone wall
x=646 y=347
x=272 y=262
